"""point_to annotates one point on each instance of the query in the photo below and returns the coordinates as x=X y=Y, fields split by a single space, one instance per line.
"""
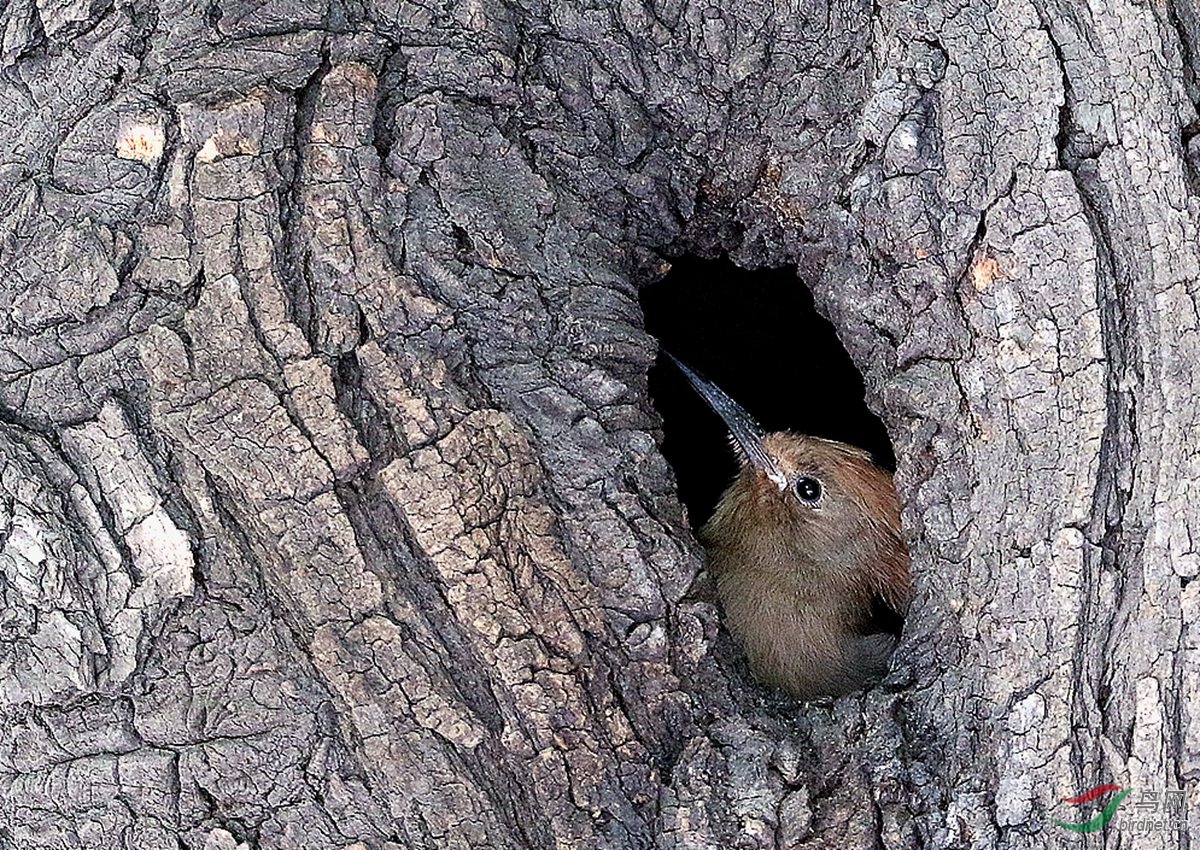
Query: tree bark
x=332 y=511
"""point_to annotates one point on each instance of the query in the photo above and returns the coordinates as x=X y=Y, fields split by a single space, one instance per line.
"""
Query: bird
x=807 y=554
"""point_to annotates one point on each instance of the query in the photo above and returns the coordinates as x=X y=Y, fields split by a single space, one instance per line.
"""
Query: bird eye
x=808 y=490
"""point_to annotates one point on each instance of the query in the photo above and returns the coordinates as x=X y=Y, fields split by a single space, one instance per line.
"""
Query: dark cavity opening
x=757 y=335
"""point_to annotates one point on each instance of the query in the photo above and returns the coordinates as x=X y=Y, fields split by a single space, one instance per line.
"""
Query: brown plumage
x=806 y=551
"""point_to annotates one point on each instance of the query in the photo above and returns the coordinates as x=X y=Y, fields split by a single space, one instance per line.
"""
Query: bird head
x=802 y=499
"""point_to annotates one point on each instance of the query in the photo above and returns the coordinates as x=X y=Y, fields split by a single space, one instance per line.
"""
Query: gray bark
x=332 y=514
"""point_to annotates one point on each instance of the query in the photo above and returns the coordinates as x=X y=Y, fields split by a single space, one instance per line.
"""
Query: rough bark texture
x=330 y=503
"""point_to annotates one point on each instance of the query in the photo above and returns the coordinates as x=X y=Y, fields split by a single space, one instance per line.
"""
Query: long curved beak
x=747 y=433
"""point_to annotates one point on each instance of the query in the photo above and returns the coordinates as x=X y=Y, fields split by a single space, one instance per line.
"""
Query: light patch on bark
x=120 y=476
x=140 y=139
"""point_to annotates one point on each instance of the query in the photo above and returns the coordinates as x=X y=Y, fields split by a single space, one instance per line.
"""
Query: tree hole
x=758 y=335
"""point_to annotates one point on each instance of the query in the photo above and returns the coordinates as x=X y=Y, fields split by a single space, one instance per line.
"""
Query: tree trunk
x=332 y=512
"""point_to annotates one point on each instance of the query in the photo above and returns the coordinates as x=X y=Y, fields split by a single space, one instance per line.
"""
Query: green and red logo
x=1106 y=813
